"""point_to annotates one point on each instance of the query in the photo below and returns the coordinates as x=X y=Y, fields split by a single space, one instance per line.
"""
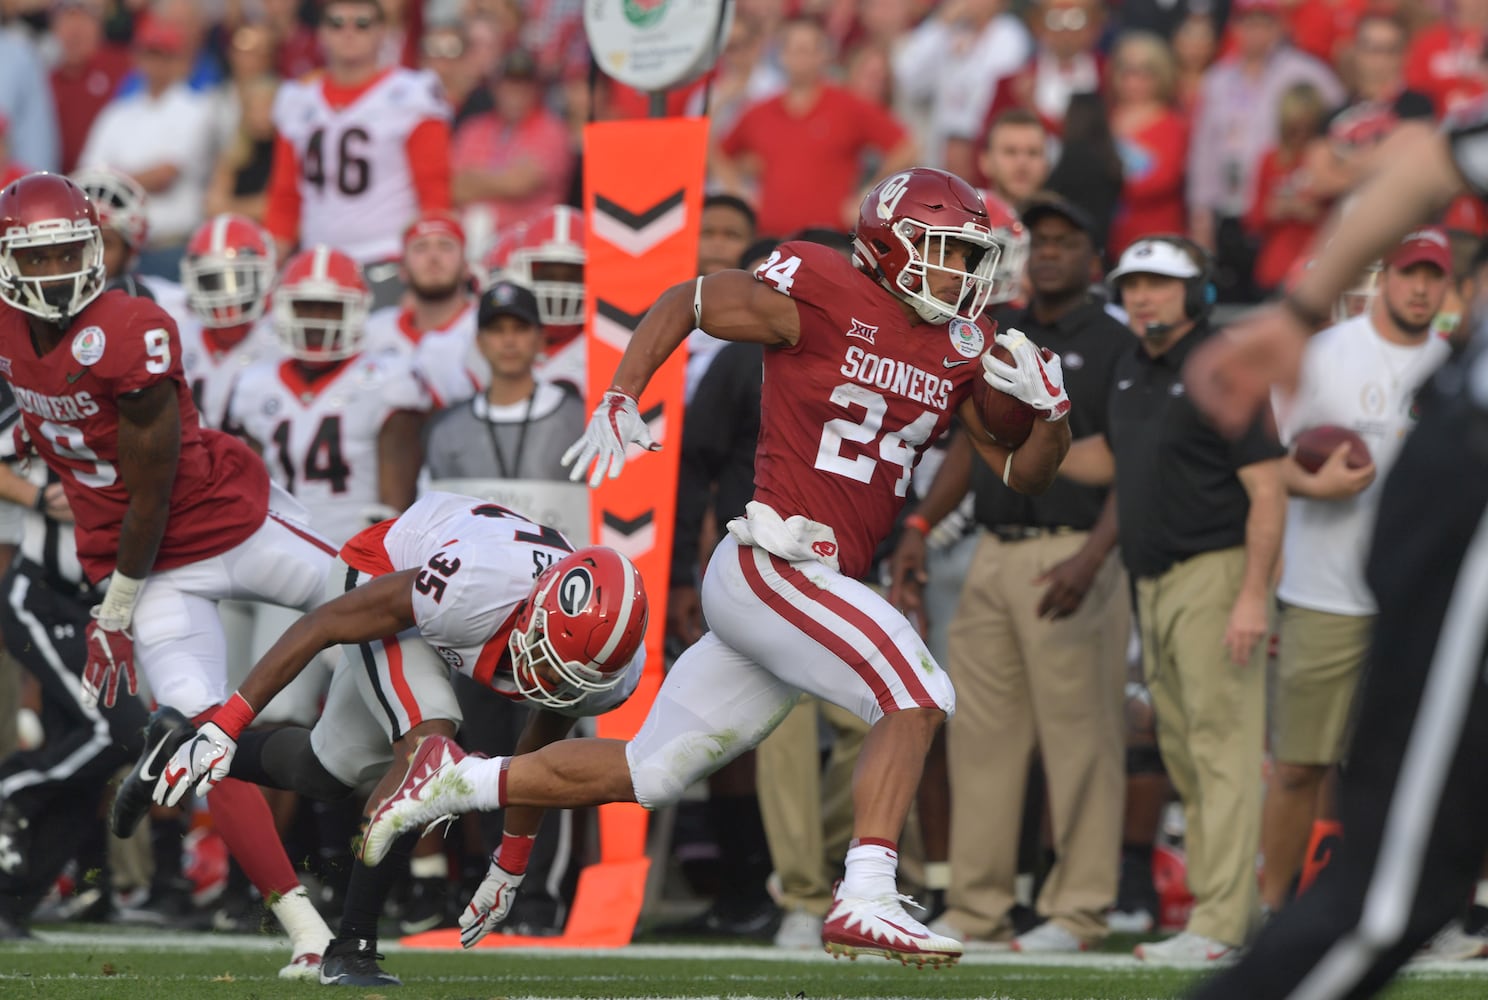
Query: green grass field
x=109 y=964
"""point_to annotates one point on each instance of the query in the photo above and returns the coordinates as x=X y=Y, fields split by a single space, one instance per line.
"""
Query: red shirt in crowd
x=1155 y=161
x=1445 y=62
x=1283 y=241
x=810 y=164
x=81 y=93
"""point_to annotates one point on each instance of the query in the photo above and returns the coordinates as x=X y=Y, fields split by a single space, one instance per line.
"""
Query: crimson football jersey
x=847 y=411
x=69 y=405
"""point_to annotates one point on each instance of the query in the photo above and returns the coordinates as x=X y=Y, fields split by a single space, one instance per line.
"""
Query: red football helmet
x=900 y=240
x=314 y=276
x=497 y=258
x=554 y=242
x=1012 y=245
x=582 y=626
x=120 y=202
x=227 y=271
x=43 y=210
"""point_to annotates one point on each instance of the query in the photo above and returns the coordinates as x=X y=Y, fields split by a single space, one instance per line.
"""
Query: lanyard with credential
x=504 y=472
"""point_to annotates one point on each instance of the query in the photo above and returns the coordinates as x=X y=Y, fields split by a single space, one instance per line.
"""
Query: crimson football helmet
x=321 y=275
x=120 y=202
x=903 y=227
x=1012 y=248
x=583 y=624
x=44 y=210
x=227 y=271
x=554 y=238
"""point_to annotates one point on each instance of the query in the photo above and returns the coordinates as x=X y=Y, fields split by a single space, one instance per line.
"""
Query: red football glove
x=110 y=660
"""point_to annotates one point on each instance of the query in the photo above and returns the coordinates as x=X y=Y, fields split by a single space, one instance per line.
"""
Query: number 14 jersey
x=847 y=411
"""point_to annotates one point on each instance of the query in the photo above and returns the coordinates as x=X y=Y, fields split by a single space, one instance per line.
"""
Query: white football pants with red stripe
x=778 y=629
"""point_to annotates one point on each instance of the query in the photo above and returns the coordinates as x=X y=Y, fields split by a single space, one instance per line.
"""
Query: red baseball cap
x=156 y=34
x=434 y=222
x=1424 y=246
x=1466 y=215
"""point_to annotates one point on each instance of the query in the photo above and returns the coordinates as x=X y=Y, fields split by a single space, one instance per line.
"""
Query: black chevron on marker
x=617 y=315
x=632 y=220
x=629 y=527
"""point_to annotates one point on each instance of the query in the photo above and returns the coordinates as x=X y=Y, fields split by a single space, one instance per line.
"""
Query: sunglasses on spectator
x=442 y=47
x=1065 y=19
x=362 y=22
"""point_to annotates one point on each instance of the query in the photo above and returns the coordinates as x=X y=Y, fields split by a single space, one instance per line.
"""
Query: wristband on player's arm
x=234 y=716
x=917 y=522
x=514 y=852
x=117 y=609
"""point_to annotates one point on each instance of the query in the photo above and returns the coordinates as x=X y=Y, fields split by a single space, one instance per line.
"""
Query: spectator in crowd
x=951 y=64
x=240 y=181
x=1089 y=171
x=1236 y=124
x=1362 y=374
x=10 y=169
x=162 y=137
x=1200 y=526
x=86 y=74
x=337 y=178
x=1445 y=60
x=1378 y=67
x=295 y=45
x=438 y=300
x=741 y=78
x=1015 y=163
x=1194 y=46
x=868 y=71
x=726 y=231
x=764 y=149
x=514 y=161
x=249 y=57
x=1288 y=207
x=1065 y=62
x=1152 y=138
x=446 y=52
x=1039 y=666
x=33 y=121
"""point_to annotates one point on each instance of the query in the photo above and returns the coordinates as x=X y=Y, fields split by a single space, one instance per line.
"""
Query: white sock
x=487 y=777
x=429 y=866
x=872 y=867
x=308 y=934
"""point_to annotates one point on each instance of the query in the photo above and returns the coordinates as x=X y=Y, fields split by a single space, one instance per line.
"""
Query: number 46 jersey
x=847 y=411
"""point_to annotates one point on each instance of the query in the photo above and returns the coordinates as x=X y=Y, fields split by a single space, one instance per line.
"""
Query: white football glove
x=490 y=904
x=1036 y=376
x=199 y=764
x=616 y=423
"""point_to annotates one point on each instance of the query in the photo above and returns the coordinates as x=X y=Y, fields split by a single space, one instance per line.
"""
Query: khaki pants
x=1317 y=672
x=1211 y=720
x=808 y=814
x=1022 y=681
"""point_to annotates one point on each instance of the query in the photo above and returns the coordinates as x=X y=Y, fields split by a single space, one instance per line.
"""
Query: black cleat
x=167 y=730
x=15 y=838
x=348 y=962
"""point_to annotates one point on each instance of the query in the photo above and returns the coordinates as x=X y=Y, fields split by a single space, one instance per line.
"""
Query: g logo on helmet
x=574 y=591
x=889 y=194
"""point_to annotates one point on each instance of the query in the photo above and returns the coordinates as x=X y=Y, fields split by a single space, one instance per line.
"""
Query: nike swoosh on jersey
x=947 y=362
x=74 y=376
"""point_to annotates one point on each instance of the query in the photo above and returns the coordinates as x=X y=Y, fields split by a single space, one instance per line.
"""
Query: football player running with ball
x=866 y=363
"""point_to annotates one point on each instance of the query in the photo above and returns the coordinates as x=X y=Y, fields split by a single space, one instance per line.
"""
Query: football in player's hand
x=1313 y=446
x=1007 y=419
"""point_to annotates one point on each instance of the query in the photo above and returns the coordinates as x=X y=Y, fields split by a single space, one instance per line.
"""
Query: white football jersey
x=212 y=374
x=1354 y=378
x=319 y=439
x=478 y=561
x=391 y=331
x=169 y=295
x=568 y=365
x=355 y=183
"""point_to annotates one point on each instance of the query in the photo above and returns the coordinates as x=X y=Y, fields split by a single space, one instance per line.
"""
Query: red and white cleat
x=431 y=790
x=306 y=966
x=882 y=926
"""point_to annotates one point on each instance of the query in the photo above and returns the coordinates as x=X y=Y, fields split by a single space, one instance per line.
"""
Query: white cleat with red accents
x=432 y=790
x=882 y=926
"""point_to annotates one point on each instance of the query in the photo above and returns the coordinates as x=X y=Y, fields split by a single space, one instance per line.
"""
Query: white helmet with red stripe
x=550 y=261
x=315 y=277
x=120 y=202
x=497 y=258
x=227 y=271
x=583 y=624
x=1009 y=233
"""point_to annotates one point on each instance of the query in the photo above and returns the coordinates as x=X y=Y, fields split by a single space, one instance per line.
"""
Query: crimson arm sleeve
x=428 y=148
x=282 y=214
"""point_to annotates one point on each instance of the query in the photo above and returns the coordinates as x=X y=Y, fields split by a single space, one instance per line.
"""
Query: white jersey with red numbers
x=69 y=402
x=847 y=411
x=356 y=188
x=319 y=438
x=391 y=331
x=477 y=563
x=213 y=373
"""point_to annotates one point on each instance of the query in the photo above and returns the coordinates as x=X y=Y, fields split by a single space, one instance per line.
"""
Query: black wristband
x=1315 y=319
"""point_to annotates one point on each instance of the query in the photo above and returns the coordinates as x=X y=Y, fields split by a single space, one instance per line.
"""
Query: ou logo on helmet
x=889 y=194
x=574 y=591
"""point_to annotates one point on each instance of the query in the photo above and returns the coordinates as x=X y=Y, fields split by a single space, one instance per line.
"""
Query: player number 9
x=157 y=349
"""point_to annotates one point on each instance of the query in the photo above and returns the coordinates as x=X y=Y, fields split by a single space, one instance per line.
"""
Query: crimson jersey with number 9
x=69 y=402
x=847 y=411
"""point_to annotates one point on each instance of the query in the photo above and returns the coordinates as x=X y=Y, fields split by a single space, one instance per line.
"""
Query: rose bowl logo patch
x=966 y=338
x=87 y=346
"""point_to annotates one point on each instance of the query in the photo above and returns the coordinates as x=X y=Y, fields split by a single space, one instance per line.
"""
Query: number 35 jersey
x=847 y=411
x=320 y=438
x=477 y=562
x=69 y=402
